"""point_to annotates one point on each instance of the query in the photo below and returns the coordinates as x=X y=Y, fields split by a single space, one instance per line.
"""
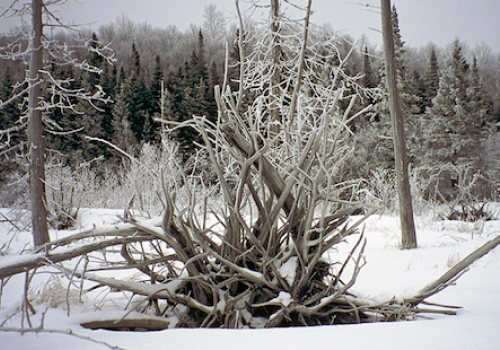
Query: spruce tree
x=481 y=102
x=108 y=83
x=123 y=137
x=137 y=97
x=454 y=129
x=9 y=113
x=96 y=61
x=152 y=128
x=367 y=72
x=431 y=80
x=190 y=92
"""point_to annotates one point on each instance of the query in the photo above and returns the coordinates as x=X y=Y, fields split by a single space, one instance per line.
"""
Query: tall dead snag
x=408 y=236
x=46 y=91
x=35 y=133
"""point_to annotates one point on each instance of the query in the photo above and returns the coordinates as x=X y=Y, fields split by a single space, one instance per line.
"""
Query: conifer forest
x=450 y=100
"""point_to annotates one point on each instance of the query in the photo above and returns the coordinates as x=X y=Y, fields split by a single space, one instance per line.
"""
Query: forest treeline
x=451 y=100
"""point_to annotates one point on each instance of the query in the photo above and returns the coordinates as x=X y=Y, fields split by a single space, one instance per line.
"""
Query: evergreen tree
x=190 y=93
x=443 y=118
x=155 y=89
x=136 y=62
x=380 y=119
x=138 y=97
x=152 y=128
x=9 y=117
x=95 y=60
x=367 y=80
x=481 y=103
x=234 y=62
x=123 y=136
x=399 y=51
x=108 y=83
x=431 y=80
x=454 y=130
x=9 y=113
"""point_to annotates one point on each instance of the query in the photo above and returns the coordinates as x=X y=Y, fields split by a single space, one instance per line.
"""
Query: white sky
x=421 y=21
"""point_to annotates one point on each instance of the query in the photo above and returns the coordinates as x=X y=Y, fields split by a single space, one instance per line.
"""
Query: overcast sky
x=421 y=21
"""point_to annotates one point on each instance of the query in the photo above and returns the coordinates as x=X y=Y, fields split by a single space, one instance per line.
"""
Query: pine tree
x=481 y=103
x=190 y=93
x=234 y=62
x=380 y=118
x=399 y=51
x=96 y=61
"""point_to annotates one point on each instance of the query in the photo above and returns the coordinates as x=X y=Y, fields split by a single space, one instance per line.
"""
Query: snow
x=389 y=273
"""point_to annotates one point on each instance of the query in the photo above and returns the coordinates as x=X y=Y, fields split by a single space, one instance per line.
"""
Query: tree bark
x=35 y=134
x=409 y=239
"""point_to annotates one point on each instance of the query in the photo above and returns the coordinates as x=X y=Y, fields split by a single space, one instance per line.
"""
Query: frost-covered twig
x=40 y=329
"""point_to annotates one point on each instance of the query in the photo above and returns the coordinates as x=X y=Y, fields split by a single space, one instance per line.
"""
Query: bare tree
x=409 y=239
x=61 y=97
x=214 y=26
x=35 y=138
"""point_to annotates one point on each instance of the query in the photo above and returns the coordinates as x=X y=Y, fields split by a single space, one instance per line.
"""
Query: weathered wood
x=141 y=323
x=34 y=261
x=35 y=133
x=453 y=273
x=271 y=177
x=409 y=239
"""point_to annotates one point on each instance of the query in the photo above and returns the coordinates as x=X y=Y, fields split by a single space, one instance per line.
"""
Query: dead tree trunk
x=409 y=239
x=35 y=134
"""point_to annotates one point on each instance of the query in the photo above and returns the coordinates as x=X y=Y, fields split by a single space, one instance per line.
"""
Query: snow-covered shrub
x=54 y=294
x=380 y=191
x=14 y=190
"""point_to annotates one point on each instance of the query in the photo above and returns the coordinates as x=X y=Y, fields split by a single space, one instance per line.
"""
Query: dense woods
x=450 y=95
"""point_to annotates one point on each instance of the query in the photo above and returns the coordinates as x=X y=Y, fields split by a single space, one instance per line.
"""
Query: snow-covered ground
x=389 y=272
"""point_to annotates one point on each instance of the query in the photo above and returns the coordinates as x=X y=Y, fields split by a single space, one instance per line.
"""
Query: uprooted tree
x=252 y=250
